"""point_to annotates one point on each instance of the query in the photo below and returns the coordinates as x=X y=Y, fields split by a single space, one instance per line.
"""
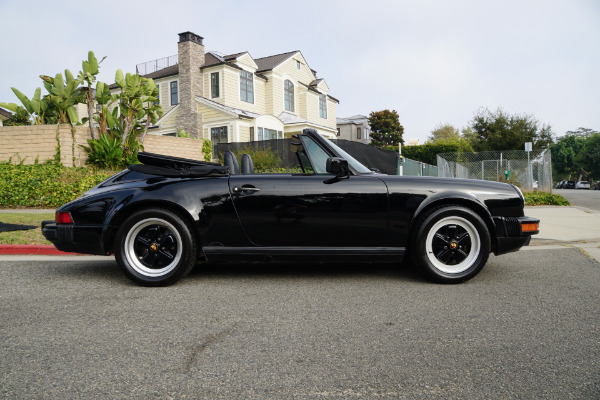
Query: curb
x=32 y=249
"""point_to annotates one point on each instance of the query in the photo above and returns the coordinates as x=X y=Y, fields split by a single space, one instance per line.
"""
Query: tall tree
x=589 y=158
x=385 y=128
x=498 y=130
x=443 y=132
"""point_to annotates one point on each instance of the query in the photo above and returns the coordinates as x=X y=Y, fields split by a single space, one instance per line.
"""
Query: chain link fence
x=528 y=170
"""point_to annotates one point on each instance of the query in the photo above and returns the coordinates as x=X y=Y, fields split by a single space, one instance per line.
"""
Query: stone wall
x=28 y=143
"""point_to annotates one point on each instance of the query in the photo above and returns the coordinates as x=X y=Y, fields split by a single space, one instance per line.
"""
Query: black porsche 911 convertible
x=162 y=217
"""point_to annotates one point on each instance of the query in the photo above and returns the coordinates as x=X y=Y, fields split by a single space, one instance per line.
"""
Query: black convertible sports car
x=163 y=216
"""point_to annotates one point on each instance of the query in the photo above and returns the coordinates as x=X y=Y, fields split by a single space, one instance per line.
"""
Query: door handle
x=245 y=188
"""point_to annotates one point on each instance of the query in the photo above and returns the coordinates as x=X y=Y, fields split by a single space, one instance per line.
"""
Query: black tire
x=155 y=247
x=450 y=244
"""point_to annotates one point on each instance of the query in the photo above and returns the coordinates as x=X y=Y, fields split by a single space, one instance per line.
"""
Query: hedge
x=45 y=185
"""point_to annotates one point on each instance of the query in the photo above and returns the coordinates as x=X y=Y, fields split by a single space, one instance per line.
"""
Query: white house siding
x=331 y=114
x=168 y=125
x=278 y=95
x=288 y=67
x=231 y=92
x=213 y=118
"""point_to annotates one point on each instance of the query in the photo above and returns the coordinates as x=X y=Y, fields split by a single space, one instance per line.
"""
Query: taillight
x=63 y=218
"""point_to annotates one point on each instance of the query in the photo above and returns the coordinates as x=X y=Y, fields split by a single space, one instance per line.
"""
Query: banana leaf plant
x=64 y=96
x=90 y=69
x=36 y=106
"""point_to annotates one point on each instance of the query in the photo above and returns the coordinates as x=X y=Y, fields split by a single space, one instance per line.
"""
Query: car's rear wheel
x=155 y=247
x=451 y=244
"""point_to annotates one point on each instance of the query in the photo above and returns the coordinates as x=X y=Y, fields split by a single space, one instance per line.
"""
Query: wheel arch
x=124 y=212
x=458 y=199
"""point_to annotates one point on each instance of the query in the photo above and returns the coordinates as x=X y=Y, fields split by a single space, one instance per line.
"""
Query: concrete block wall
x=174 y=146
x=28 y=143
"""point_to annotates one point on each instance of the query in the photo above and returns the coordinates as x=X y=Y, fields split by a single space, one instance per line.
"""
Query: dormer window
x=288 y=90
x=246 y=86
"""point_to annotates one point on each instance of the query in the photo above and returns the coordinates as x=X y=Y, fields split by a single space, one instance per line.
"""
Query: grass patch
x=544 y=199
x=31 y=236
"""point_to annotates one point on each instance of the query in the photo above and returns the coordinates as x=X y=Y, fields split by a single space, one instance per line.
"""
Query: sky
x=434 y=62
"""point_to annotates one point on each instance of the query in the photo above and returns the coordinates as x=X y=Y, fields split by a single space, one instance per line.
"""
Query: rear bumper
x=509 y=234
x=86 y=239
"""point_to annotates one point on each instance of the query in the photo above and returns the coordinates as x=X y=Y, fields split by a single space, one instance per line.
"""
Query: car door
x=311 y=210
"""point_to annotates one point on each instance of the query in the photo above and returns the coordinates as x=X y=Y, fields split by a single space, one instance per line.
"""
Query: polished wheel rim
x=153 y=247
x=453 y=245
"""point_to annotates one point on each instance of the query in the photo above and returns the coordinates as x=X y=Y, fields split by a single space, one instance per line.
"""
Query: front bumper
x=510 y=235
x=85 y=239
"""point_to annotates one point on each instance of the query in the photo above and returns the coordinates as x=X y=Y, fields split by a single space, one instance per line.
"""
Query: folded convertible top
x=167 y=166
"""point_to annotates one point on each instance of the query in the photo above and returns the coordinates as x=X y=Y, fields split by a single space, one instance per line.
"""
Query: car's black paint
x=261 y=216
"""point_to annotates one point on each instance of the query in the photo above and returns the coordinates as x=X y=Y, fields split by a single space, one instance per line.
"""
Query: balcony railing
x=152 y=66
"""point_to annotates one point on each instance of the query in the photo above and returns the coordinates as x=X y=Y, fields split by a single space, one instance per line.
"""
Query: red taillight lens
x=63 y=218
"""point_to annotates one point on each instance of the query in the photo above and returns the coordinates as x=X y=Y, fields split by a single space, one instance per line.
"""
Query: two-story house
x=354 y=128
x=237 y=98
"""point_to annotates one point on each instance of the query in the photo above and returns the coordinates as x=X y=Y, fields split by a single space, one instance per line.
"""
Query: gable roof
x=270 y=62
x=5 y=114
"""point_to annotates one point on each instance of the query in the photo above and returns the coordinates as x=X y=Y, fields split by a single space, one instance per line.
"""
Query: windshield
x=355 y=164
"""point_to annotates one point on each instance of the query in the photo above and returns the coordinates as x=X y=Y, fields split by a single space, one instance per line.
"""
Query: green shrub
x=45 y=185
x=264 y=160
x=207 y=149
x=544 y=198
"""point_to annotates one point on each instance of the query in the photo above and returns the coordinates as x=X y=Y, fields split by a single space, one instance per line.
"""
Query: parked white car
x=582 y=185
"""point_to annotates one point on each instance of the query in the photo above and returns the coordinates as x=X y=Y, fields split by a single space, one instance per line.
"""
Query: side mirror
x=337 y=166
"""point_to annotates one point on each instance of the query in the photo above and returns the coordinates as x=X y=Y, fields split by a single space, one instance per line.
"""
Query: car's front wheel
x=451 y=244
x=155 y=247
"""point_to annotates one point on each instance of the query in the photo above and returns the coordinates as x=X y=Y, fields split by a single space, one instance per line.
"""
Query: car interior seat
x=247 y=164
x=230 y=162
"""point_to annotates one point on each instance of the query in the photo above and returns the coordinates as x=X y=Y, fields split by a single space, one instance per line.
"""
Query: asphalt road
x=527 y=327
x=581 y=197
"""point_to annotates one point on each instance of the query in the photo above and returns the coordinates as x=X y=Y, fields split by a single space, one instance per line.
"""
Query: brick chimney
x=191 y=57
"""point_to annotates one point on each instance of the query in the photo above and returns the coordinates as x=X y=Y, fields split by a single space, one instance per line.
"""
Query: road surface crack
x=205 y=342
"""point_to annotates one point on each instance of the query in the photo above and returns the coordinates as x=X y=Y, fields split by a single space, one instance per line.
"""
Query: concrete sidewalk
x=561 y=226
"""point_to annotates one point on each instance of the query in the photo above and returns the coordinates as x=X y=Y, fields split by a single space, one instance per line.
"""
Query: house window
x=214 y=84
x=246 y=87
x=157 y=102
x=269 y=134
x=297 y=64
x=288 y=90
x=358 y=131
x=338 y=132
x=323 y=106
x=366 y=133
x=174 y=93
x=218 y=135
x=252 y=134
